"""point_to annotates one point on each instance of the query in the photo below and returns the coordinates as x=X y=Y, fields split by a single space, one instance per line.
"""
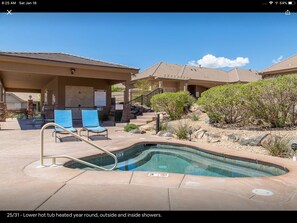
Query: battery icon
x=291 y=3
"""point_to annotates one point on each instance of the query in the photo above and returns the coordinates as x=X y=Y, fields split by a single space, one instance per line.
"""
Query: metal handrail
x=70 y=157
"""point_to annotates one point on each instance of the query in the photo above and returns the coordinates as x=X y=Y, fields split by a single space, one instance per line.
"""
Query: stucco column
x=1 y=92
x=2 y=103
x=185 y=86
x=130 y=94
x=126 y=109
x=160 y=84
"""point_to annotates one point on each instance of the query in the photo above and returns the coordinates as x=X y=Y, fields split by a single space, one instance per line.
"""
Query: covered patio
x=65 y=81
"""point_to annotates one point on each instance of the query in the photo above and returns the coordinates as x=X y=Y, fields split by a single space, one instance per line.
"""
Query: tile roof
x=178 y=72
x=63 y=57
x=243 y=75
x=287 y=64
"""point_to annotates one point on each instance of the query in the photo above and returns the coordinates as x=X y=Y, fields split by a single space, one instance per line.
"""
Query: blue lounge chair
x=91 y=123
x=63 y=118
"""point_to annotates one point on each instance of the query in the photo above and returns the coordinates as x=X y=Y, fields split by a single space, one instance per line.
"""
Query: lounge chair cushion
x=70 y=129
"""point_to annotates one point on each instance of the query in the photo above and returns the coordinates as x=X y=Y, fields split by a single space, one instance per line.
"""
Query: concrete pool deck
x=24 y=186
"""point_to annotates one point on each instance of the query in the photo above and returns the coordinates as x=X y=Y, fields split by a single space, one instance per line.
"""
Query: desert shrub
x=181 y=131
x=222 y=103
x=172 y=103
x=130 y=127
x=280 y=147
x=164 y=126
x=271 y=100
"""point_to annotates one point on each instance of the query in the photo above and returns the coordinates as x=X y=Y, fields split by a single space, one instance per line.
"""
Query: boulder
x=252 y=141
x=165 y=134
x=148 y=127
x=199 y=134
x=136 y=131
x=269 y=139
x=233 y=137
x=292 y=140
x=211 y=138
x=201 y=109
x=193 y=108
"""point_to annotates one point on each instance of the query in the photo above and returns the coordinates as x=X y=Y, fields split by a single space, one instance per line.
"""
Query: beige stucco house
x=173 y=77
x=285 y=67
x=65 y=81
x=17 y=101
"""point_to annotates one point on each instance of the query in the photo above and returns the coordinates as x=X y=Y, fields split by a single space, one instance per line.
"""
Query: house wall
x=70 y=92
x=179 y=85
x=82 y=85
x=174 y=86
x=170 y=86
x=13 y=104
x=78 y=97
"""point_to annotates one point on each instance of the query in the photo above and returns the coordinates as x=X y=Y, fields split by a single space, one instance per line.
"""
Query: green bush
x=270 y=100
x=172 y=103
x=130 y=127
x=280 y=147
x=222 y=103
x=115 y=88
x=15 y=114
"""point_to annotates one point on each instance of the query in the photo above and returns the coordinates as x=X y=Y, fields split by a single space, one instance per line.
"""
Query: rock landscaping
x=251 y=140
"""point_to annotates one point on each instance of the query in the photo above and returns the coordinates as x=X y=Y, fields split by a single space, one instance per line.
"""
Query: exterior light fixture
x=72 y=71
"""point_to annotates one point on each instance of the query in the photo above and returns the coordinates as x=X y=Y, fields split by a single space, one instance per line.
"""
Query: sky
x=219 y=40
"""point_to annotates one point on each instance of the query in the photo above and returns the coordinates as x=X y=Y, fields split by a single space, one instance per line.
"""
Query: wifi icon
x=271 y=2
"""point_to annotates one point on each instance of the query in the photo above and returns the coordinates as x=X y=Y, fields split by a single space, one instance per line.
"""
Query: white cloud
x=212 y=61
x=279 y=59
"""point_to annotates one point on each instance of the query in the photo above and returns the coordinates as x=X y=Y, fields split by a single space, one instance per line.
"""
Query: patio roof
x=29 y=72
x=63 y=57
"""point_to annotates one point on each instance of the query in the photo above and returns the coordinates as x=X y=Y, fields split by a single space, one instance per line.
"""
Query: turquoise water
x=184 y=160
